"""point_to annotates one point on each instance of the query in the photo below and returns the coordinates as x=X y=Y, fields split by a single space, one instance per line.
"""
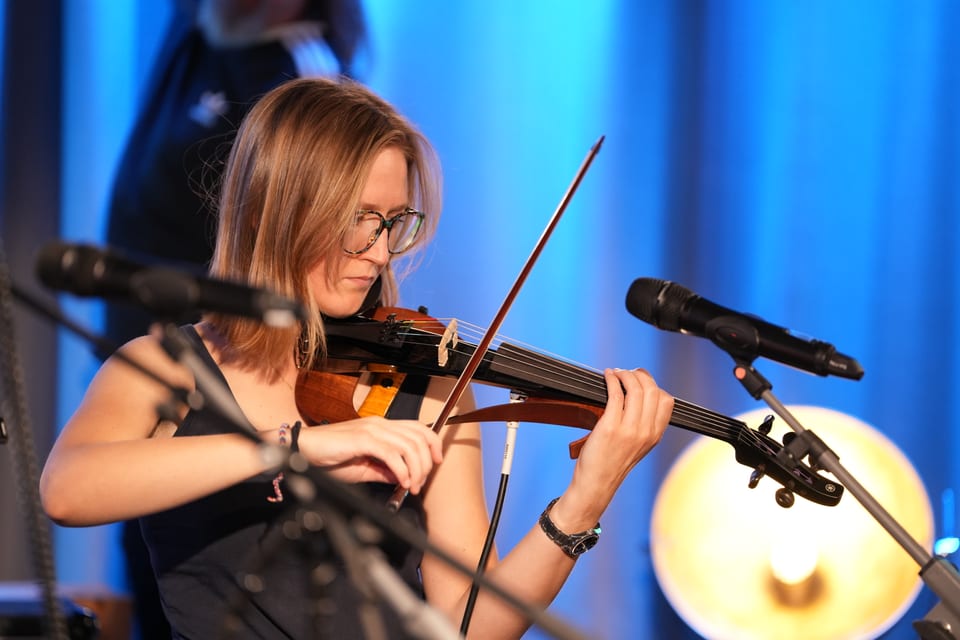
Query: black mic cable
x=509 y=447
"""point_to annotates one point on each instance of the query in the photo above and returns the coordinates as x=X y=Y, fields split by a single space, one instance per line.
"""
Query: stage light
x=733 y=564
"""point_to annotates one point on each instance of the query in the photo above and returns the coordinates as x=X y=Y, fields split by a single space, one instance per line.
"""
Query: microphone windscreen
x=48 y=266
x=66 y=267
x=658 y=302
x=642 y=298
x=84 y=270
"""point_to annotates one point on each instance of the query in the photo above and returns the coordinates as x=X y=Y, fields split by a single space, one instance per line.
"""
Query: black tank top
x=204 y=552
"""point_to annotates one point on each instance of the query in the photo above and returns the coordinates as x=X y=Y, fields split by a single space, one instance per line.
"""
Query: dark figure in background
x=219 y=57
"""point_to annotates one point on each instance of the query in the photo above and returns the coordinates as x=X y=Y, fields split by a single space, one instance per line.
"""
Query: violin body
x=395 y=342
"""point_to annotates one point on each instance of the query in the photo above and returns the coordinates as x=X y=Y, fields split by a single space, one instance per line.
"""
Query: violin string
x=590 y=380
x=586 y=377
x=478 y=331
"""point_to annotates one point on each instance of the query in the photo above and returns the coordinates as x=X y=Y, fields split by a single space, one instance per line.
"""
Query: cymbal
x=733 y=564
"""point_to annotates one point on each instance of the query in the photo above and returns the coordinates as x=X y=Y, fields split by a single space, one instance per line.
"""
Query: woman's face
x=341 y=293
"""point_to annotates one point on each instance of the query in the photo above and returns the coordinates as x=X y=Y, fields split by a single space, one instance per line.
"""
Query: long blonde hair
x=292 y=186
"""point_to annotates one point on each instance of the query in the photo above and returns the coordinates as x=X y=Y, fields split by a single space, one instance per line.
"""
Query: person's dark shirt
x=202 y=551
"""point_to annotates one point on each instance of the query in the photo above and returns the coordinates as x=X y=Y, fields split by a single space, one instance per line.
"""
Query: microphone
x=667 y=305
x=88 y=271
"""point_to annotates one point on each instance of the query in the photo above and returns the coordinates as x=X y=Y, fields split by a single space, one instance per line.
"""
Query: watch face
x=585 y=544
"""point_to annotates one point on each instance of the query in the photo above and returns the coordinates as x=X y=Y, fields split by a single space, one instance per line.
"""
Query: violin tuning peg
x=766 y=425
x=755 y=477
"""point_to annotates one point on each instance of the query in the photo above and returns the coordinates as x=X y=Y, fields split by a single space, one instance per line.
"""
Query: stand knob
x=784 y=498
x=931 y=630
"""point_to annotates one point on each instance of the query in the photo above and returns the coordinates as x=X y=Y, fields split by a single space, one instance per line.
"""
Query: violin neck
x=562 y=380
x=411 y=350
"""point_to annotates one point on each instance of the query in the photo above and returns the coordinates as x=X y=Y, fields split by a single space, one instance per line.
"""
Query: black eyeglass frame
x=387 y=223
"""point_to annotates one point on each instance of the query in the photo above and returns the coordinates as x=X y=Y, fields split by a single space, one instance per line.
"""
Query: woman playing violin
x=324 y=186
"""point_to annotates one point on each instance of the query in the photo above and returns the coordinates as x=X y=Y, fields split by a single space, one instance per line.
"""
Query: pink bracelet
x=277 y=493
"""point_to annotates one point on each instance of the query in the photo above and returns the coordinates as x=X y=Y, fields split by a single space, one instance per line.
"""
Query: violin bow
x=399 y=493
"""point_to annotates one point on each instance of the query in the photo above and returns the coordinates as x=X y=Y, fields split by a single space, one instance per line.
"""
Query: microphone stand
x=313 y=485
x=211 y=390
x=355 y=540
x=24 y=459
x=938 y=573
x=307 y=483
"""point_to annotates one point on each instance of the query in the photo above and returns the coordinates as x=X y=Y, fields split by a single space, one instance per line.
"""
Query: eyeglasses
x=402 y=230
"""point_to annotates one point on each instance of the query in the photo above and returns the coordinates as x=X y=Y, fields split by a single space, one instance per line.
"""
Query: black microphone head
x=658 y=302
x=165 y=291
x=52 y=260
x=67 y=267
x=83 y=270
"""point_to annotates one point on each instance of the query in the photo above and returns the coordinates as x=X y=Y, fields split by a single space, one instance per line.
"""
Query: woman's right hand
x=374 y=449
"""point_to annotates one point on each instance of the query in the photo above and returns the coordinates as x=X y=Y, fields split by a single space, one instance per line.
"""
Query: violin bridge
x=449 y=340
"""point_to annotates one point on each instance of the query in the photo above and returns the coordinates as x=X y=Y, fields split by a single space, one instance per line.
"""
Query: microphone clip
x=735 y=336
x=751 y=379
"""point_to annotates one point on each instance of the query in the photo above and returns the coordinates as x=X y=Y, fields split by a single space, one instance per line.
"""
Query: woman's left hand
x=635 y=417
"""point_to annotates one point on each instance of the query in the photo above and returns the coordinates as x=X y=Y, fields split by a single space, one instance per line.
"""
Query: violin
x=398 y=342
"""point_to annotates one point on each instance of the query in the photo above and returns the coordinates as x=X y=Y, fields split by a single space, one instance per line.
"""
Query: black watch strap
x=572 y=544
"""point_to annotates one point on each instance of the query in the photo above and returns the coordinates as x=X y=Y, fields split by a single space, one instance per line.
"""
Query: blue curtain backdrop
x=794 y=160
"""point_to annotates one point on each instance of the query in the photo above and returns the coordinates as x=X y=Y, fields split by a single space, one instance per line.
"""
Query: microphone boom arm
x=938 y=573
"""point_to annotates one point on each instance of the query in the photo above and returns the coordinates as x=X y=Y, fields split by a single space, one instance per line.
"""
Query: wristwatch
x=572 y=544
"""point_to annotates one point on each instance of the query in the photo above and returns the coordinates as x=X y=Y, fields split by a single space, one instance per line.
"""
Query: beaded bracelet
x=282 y=438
